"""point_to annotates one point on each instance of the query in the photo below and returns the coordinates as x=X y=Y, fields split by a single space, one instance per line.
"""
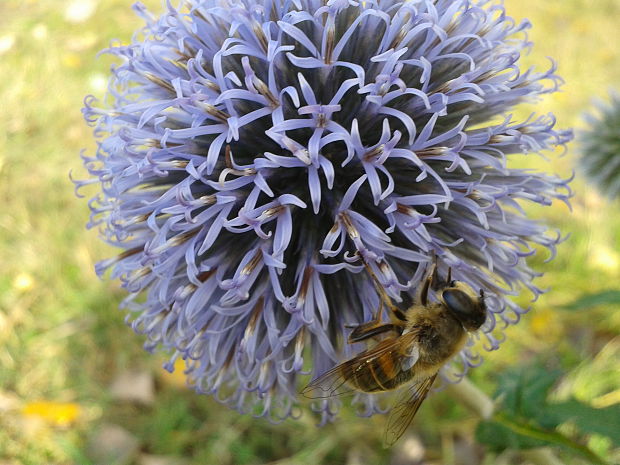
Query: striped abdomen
x=382 y=373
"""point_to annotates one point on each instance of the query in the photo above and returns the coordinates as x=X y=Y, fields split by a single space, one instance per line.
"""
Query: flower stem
x=473 y=398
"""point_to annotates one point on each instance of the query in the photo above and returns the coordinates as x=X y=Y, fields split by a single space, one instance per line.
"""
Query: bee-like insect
x=424 y=338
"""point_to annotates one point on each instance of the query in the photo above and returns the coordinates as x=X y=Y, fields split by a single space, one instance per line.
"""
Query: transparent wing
x=405 y=408
x=335 y=381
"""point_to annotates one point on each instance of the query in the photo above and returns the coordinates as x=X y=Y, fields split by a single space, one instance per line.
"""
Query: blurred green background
x=67 y=359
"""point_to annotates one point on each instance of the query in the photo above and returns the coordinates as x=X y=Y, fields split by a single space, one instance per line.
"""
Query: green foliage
x=527 y=419
x=523 y=391
x=587 y=301
x=588 y=420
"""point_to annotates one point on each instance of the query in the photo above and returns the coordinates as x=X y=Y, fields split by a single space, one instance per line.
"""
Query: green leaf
x=604 y=421
x=524 y=390
x=608 y=297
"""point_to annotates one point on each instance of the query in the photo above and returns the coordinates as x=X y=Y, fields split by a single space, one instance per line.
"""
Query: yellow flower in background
x=56 y=413
x=544 y=322
x=71 y=60
x=6 y=43
x=176 y=378
x=604 y=258
x=23 y=282
x=79 y=11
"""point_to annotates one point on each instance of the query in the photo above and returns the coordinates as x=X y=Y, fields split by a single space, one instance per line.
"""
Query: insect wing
x=405 y=409
x=332 y=382
x=335 y=381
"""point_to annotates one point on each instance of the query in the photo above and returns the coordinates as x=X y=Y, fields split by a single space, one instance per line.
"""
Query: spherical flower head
x=600 y=146
x=259 y=161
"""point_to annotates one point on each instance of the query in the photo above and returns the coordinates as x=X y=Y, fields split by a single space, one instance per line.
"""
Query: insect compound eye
x=468 y=311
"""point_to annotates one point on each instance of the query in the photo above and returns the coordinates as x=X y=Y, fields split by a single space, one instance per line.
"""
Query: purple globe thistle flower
x=257 y=158
x=600 y=146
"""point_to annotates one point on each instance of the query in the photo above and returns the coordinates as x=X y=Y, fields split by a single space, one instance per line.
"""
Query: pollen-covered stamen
x=253 y=263
x=247 y=272
x=296 y=149
x=184 y=292
x=152 y=143
x=160 y=82
x=230 y=167
x=106 y=264
x=222 y=373
x=207 y=199
x=205 y=275
x=262 y=88
x=302 y=302
x=442 y=88
x=182 y=237
x=179 y=64
x=187 y=205
x=372 y=248
x=406 y=210
x=298 y=350
x=256 y=85
x=432 y=152
x=351 y=230
x=378 y=92
x=330 y=42
x=305 y=281
x=188 y=53
x=129 y=253
x=386 y=81
x=402 y=32
x=260 y=35
x=412 y=224
x=367 y=255
x=271 y=212
x=212 y=110
x=322 y=114
x=368 y=156
x=265 y=377
x=389 y=279
x=252 y=324
x=137 y=219
x=175 y=241
x=131 y=281
x=160 y=167
x=211 y=85
x=151 y=327
x=504 y=138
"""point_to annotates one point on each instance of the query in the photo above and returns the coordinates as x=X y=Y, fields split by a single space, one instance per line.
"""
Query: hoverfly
x=422 y=340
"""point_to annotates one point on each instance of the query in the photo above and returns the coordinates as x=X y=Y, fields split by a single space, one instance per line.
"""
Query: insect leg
x=371 y=329
x=426 y=286
x=434 y=282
